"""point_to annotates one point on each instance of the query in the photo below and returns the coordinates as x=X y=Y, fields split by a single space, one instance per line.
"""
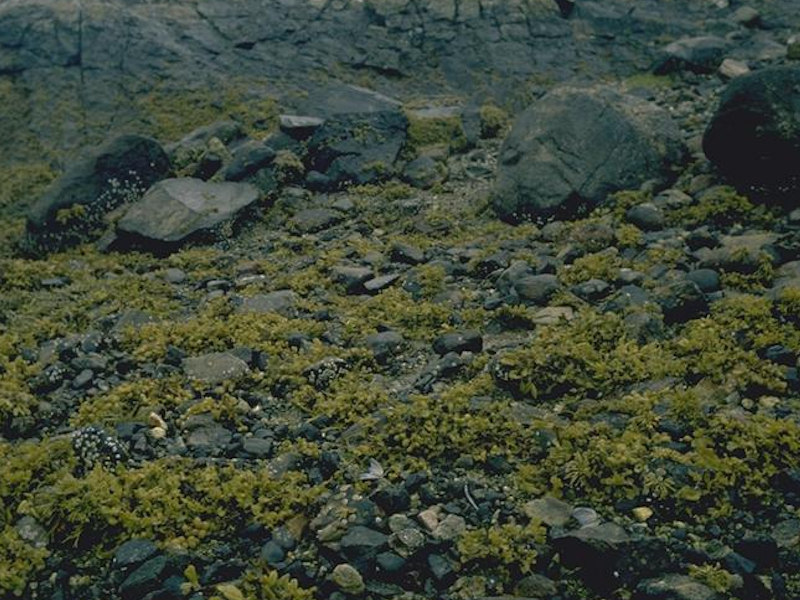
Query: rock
x=248 y=159
x=73 y=208
x=281 y=302
x=257 y=447
x=592 y=290
x=209 y=440
x=536 y=586
x=361 y=137
x=215 y=367
x=731 y=68
x=646 y=216
x=706 y=279
x=585 y=516
x=461 y=341
x=353 y=278
x=31 y=531
x=642 y=513
x=384 y=345
x=786 y=533
x=450 y=528
x=380 y=283
x=133 y=552
x=595 y=551
x=674 y=587
x=407 y=254
x=747 y=16
x=174 y=275
x=145 y=579
x=173 y=210
x=548 y=510
x=424 y=172
x=573 y=147
x=348 y=579
x=754 y=136
x=361 y=543
x=696 y=54
x=440 y=567
x=313 y=220
x=680 y=301
x=298 y=126
x=536 y=289
x=793 y=48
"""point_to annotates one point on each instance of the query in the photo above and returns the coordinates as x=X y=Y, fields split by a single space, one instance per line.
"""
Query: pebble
x=348 y=579
x=548 y=510
x=642 y=513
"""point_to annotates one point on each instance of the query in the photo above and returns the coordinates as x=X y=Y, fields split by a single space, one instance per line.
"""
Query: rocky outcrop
x=573 y=147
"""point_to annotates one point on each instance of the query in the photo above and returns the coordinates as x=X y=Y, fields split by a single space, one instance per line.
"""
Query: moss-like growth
x=429 y=131
x=509 y=549
x=720 y=206
x=714 y=576
x=494 y=120
x=603 y=265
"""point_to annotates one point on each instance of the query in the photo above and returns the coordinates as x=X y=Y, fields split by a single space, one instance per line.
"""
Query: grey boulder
x=572 y=148
x=175 y=209
x=73 y=208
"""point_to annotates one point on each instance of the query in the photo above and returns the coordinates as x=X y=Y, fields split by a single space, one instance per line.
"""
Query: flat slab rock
x=174 y=209
x=214 y=367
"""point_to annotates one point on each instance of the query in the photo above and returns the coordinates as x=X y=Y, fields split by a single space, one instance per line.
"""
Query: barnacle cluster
x=93 y=446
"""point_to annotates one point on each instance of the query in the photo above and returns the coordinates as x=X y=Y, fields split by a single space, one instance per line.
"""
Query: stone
x=595 y=551
x=384 y=345
x=248 y=159
x=348 y=579
x=424 y=172
x=747 y=16
x=214 y=367
x=696 y=54
x=380 y=283
x=32 y=532
x=313 y=220
x=145 y=579
x=536 y=289
x=173 y=210
x=298 y=126
x=642 y=513
x=361 y=543
x=133 y=552
x=585 y=516
x=753 y=137
x=117 y=173
x=361 y=138
x=646 y=216
x=257 y=447
x=352 y=277
x=210 y=440
x=680 y=301
x=174 y=275
x=407 y=254
x=731 y=68
x=573 y=147
x=674 y=587
x=706 y=279
x=548 y=510
x=536 y=586
x=281 y=302
x=459 y=341
x=450 y=528
x=552 y=315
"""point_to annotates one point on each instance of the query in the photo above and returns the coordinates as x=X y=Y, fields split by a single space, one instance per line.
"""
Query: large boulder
x=175 y=210
x=570 y=149
x=360 y=138
x=73 y=208
x=754 y=136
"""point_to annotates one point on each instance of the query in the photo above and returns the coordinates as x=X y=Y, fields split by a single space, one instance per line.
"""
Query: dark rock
x=281 y=302
x=353 y=278
x=247 y=159
x=392 y=499
x=407 y=254
x=273 y=553
x=646 y=216
x=680 y=301
x=697 y=54
x=441 y=568
x=595 y=551
x=313 y=220
x=592 y=290
x=175 y=209
x=424 y=172
x=760 y=548
x=536 y=289
x=706 y=279
x=536 y=586
x=361 y=544
x=361 y=137
x=674 y=587
x=384 y=344
x=207 y=167
x=754 y=135
x=459 y=341
x=390 y=563
x=573 y=147
x=215 y=367
x=257 y=447
x=120 y=172
x=145 y=579
x=211 y=440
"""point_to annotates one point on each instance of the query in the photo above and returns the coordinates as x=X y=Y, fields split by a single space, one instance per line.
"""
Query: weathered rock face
x=72 y=209
x=175 y=209
x=754 y=136
x=105 y=64
x=573 y=147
